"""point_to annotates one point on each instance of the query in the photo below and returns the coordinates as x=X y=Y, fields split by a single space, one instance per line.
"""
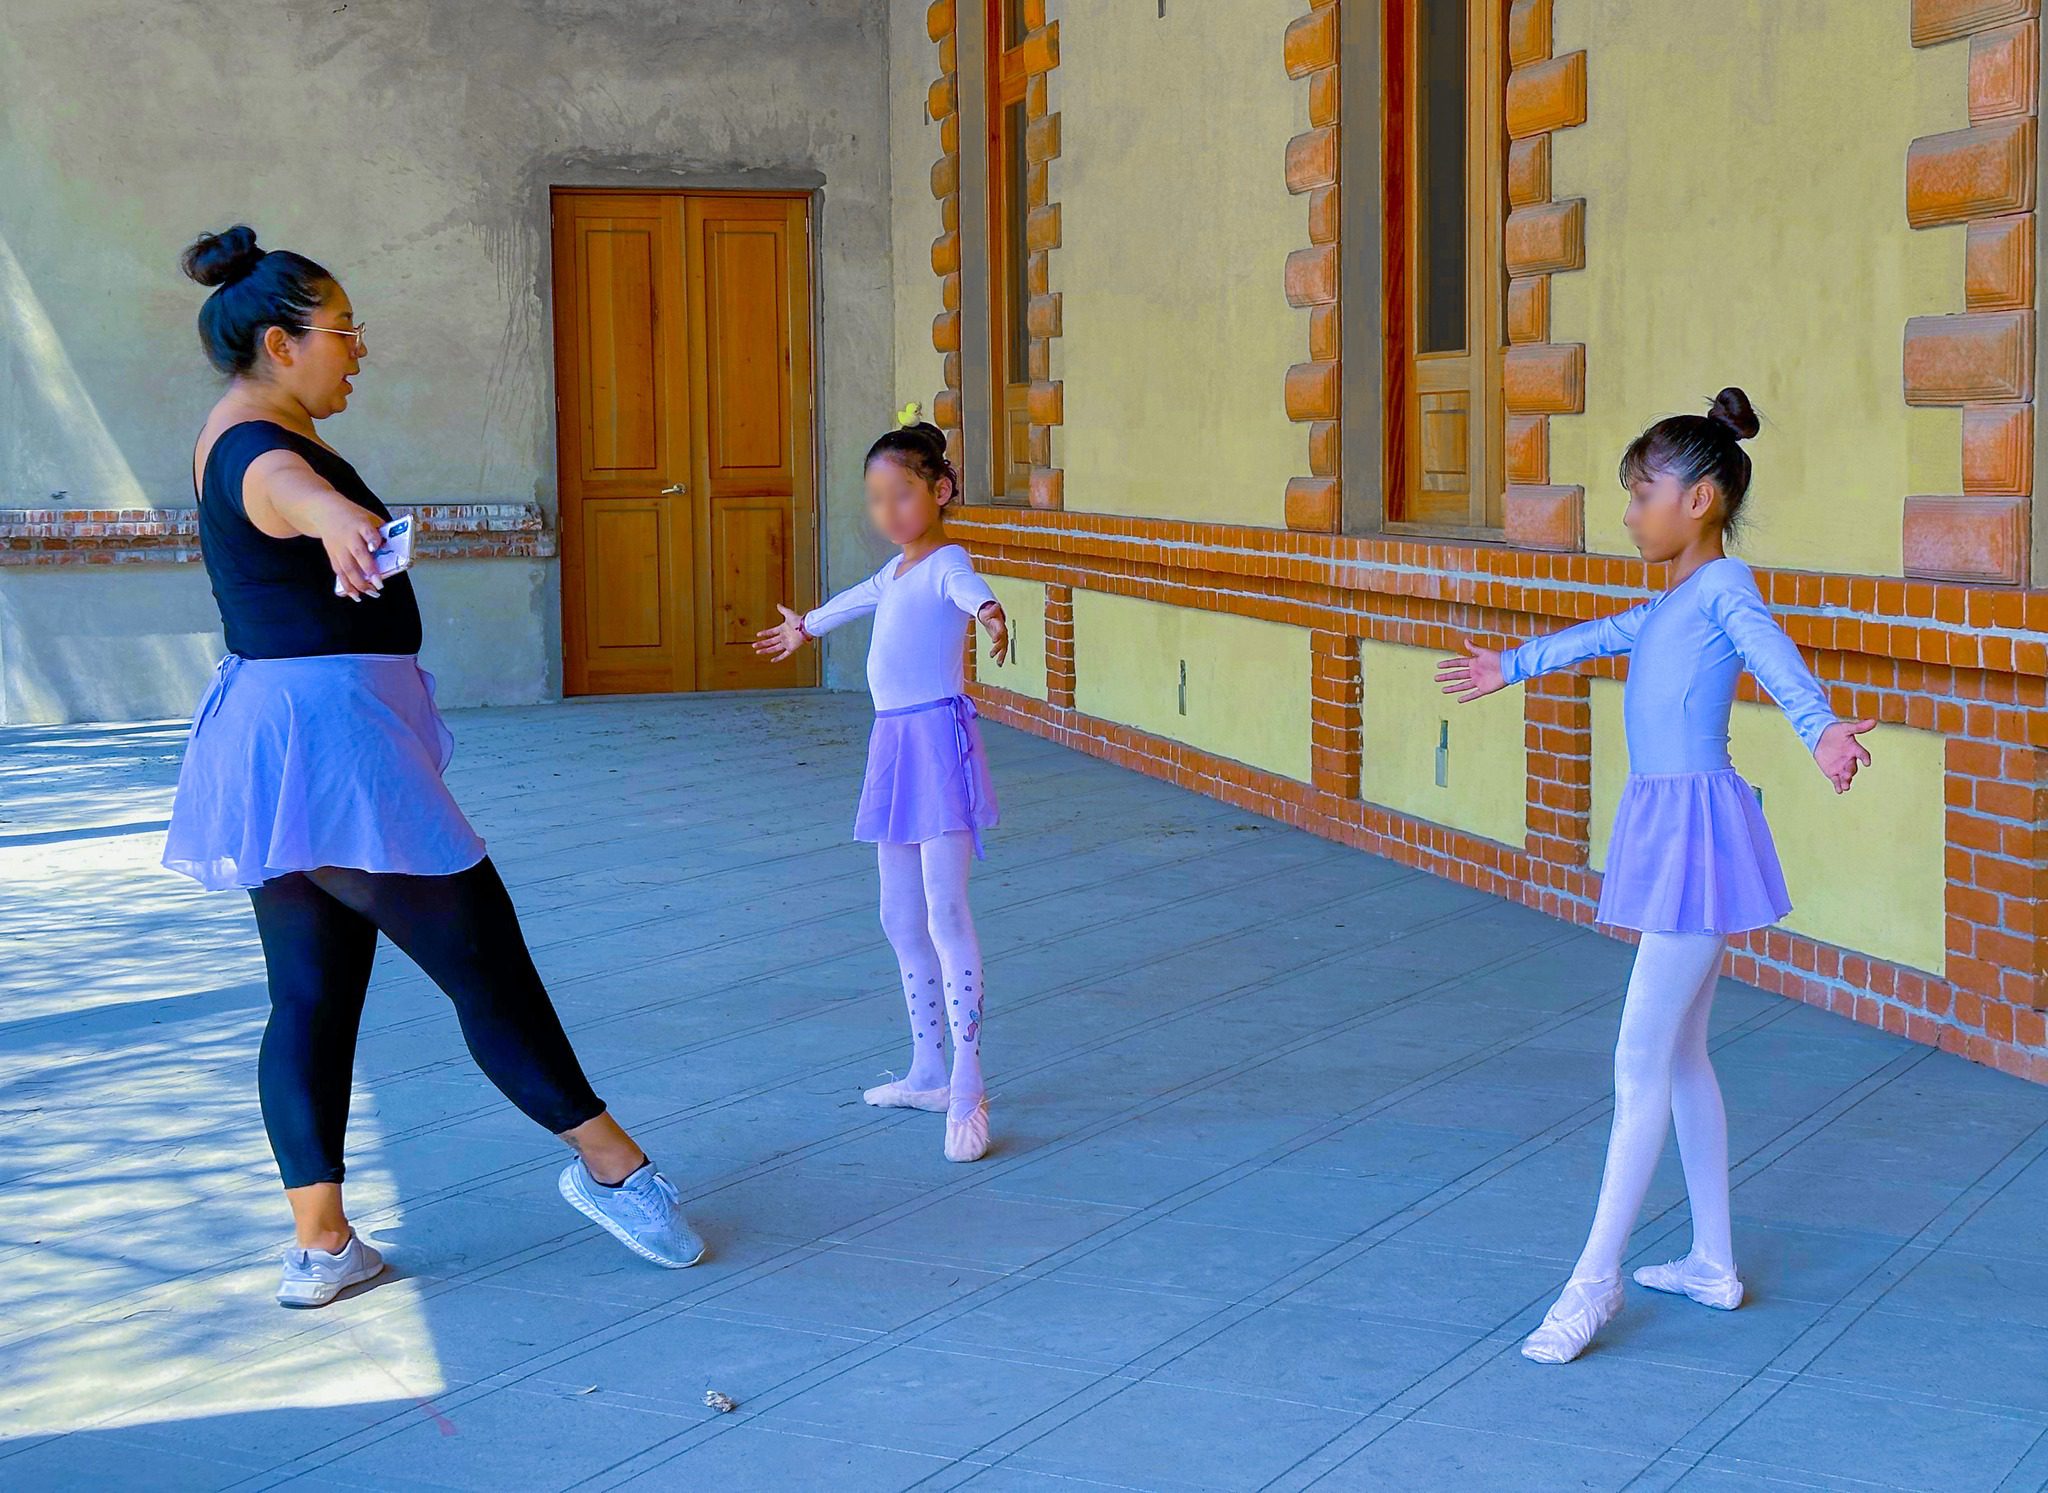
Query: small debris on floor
x=722 y=1403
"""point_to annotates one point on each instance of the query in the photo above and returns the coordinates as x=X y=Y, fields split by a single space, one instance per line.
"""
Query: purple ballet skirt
x=297 y=763
x=927 y=776
x=1691 y=853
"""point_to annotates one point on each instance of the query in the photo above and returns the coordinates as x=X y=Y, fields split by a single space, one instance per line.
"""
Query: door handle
x=675 y=489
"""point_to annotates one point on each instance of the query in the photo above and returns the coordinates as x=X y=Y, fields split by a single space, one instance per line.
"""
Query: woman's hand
x=998 y=626
x=1472 y=677
x=1839 y=753
x=779 y=642
x=352 y=537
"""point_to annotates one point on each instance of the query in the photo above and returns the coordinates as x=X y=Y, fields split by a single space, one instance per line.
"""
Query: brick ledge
x=45 y=537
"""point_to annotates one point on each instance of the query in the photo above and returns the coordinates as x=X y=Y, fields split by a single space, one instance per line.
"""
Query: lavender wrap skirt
x=927 y=776
x=297 y=763
x=1691 y=853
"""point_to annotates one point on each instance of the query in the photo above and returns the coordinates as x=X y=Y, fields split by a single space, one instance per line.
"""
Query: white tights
x=931 y=927
x=1661 y=1069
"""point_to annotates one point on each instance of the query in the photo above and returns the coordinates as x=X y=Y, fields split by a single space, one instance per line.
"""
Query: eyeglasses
x=354 y=332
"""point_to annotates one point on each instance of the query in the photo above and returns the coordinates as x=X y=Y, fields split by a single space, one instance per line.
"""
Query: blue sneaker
x=643 y=1213
x=313 y=1277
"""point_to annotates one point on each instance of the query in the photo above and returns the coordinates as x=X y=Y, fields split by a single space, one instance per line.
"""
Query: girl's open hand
x=1839 y=753
x=1473 y=676
x=779 y=642
x=998 y=626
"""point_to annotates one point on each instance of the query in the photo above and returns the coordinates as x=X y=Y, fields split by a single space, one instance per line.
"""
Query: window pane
x=1440 y=170
x=1013 y=22
x=1018 y=253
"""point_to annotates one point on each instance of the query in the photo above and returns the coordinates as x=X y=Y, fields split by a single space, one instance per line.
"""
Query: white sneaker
x=644 y=1213
x=967 y=1138
x=899 y=1095
x=1720 y=1289
x=1585 y=1307
x=313 y=1277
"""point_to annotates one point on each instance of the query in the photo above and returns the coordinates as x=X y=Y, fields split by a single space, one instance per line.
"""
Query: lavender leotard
x=1690 y=852
x=927 y=773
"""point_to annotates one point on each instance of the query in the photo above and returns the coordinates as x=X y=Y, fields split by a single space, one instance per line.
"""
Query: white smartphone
x=394 y=554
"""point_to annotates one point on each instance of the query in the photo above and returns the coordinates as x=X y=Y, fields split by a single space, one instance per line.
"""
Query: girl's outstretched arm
x=1484 y=670
x=1738 y=609
x=796 y=628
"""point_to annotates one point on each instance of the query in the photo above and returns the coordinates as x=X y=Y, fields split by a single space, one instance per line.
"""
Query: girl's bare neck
x=931 y=539
x=1704 y=550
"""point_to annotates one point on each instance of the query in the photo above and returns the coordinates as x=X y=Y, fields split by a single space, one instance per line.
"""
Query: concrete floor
x=1293 y=1146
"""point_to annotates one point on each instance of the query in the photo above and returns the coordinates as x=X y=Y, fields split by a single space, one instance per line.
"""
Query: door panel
x=619 y=351
x=747 y=344
x=750 y=344
x=625 y=571
x=683 y=371
x=750 y=546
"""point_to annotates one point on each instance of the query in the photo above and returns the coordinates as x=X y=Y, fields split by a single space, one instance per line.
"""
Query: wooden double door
x=683 y=409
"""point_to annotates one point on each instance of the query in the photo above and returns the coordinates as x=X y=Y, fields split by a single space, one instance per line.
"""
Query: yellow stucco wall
x=1024 y=604
x=1247 y=680
x=1864 y=868
x=1176 y=225
x=1486 y=769
x=1743 y=165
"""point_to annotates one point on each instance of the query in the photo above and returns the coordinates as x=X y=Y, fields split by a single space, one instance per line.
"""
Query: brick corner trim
x=1313 y=388
x=942 y=102
x=1544 y=237
x=1981 y=358
x=1041 y=47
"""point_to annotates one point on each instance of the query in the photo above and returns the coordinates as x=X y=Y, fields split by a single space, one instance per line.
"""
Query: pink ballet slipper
x=1585 y=1307
x=1706 y=1284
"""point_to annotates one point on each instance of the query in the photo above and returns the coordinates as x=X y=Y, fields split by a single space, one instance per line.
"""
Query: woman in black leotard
x=312 y=779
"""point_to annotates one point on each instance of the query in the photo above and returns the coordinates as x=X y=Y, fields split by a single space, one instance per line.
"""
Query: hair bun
x=1732 y=408
x=222 y=258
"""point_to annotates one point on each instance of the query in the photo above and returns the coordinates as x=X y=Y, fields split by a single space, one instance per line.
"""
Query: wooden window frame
x=1486 y=272
x=1009 y=472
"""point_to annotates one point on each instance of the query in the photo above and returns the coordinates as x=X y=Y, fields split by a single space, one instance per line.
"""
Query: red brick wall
x=1968 y=662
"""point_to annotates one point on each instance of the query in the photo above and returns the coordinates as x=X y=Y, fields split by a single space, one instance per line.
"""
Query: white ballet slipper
x=898 y=1095
x=1721 y=1289
x=967 y=1138
x=1585 y=1307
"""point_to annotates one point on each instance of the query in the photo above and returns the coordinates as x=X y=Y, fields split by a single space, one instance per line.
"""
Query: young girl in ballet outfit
x=927 y=796
x=1690 y=861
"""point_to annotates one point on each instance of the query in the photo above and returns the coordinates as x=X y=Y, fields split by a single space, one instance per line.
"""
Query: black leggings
x=319 y=931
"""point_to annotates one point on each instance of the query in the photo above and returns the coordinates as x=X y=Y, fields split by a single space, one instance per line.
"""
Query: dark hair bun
x=222 y=258
x=1732 y=408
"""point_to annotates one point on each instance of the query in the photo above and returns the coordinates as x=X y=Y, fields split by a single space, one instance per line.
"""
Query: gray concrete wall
x=137 y=642
x=409 y=145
